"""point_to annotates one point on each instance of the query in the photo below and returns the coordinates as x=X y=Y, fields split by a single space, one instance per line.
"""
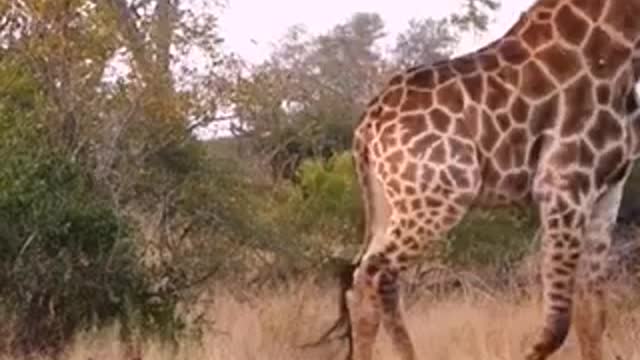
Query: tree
x=425 y=41
x=107 y=140
x=474 y=15
x=304 y=100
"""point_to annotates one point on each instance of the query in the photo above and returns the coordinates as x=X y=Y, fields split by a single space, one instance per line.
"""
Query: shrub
x=67 y=261
x=495 y=237
x=324 y=206
x=328 y=197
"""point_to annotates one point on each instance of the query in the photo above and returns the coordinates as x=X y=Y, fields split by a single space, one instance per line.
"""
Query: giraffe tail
x=341 y=325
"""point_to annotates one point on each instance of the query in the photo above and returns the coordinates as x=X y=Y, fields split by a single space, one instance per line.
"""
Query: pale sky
x=266 y=22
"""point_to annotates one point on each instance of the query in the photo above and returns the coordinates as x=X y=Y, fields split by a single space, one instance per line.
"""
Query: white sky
x=265 y=22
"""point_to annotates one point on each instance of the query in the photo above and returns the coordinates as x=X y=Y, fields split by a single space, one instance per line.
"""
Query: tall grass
x=272 y=325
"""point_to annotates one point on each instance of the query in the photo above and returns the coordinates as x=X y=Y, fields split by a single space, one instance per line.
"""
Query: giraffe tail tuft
x=342 y=325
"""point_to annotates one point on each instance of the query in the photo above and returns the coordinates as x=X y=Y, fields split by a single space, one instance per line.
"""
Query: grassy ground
x=459 y=328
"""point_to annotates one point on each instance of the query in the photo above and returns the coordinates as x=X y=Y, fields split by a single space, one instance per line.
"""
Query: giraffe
x=539 y=117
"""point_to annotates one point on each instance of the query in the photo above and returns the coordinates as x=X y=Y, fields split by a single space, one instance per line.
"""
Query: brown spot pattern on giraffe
x=537 y=34
x=580 y=185
x=489 y=134
x=606 y=128
x=394 y=185
x=603 y=54
x=423 y=79
x=562 y=63
x=471 y=122
x=394 y=158
x=374 y=113
x=519 y=110
x=504 y=122
x=535 y=83
x=393 y=97
x=606 y=165
x=438 y=153
x=544 y=115
x=570 y=25
x=410 y=172
x=385 y=117
x=412 y=125
x=488 y=61
x=623 y=16
x=490 y=174
x=444 y=73
x=474 y=87
x=536 y=149
x=579 y=106
x=586 y=156
x=417 y=100
x=509 y=75
x=440 y=120
x=603 y=94
x=460 y=177
x=619 y=173
x=388 y=137
x=544 y=15
x=445 y=180
x=464 y=65
x=498 y=95
x=416 y=204
x=591 y=8
x=396 y=80
x=516 y=182
x=512 y=52
x=512 y=150
x=549 y=4
x=423 y=144
x=450 y=96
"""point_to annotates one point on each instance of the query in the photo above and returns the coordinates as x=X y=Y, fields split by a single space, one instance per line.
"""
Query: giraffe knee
x=378 y=273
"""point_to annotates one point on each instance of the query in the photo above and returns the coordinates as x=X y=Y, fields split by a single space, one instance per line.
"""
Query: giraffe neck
x=618 y=18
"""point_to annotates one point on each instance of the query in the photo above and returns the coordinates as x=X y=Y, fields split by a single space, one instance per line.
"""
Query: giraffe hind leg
x=362 y=309
x=407 y=234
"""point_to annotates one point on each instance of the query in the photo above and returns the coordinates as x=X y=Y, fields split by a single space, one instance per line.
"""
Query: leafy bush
x=490 y=238
x=67 y=261
x=326 y=201
x=328 y=196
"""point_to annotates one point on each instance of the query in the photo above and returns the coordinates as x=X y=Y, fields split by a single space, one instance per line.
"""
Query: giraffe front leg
x=591 y=302
x=562 y=230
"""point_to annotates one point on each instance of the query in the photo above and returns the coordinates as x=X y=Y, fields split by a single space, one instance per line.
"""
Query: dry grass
x=271 y=327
